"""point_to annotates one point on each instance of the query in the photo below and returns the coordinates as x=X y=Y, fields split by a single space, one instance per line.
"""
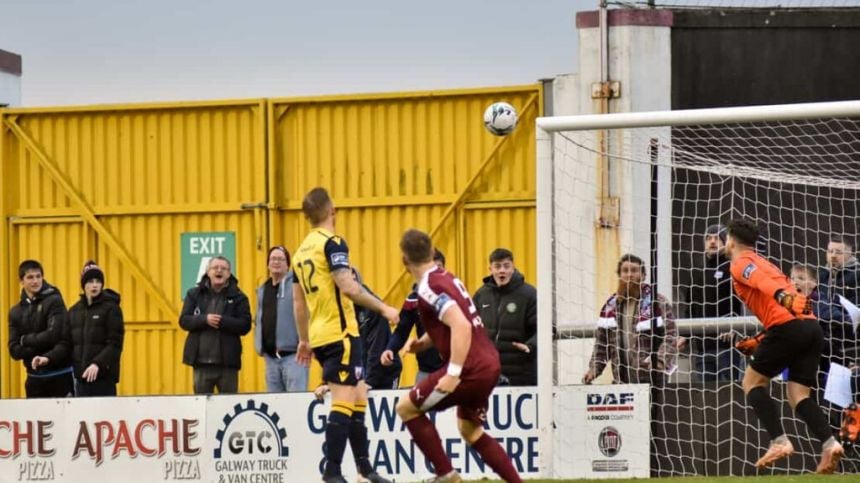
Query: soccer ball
x=500 y=118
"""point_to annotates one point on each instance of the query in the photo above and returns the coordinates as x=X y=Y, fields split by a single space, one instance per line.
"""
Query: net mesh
x=659 y=193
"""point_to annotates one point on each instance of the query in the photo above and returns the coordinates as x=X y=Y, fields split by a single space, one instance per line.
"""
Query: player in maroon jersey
x=471 y=367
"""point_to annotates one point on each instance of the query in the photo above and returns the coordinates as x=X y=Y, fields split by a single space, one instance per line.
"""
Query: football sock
x=427 y=438
x=493 y=454
x=358 y=439
x=766 y=411
x=811 y=414
x=336 y=435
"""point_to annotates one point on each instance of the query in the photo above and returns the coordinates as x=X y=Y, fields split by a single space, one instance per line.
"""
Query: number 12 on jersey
x=306 y=274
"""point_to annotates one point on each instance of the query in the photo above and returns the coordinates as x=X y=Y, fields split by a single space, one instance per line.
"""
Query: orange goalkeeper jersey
x=756 y=281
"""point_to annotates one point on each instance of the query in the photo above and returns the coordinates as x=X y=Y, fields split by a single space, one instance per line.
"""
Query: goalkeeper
x=791 y=339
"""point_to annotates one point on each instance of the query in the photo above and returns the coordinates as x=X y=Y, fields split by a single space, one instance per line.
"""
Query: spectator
x=838 y=278
x=216 y=314
x=805 y=279
x=710 y=296
x=508 y=309
x=275 y=335
x=632 y=324
x=375 y=334
x=36 y=325
x=428 y=360
x=96 y=332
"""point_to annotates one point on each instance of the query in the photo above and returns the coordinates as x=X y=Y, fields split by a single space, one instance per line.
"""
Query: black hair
x=27 y=266
x=743 y=231
x=629 y=257
x=500 y=254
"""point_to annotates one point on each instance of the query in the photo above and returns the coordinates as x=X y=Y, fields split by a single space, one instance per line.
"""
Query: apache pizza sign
x=260 y=438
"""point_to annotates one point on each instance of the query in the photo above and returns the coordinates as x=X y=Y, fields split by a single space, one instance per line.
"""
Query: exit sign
x=197 y=248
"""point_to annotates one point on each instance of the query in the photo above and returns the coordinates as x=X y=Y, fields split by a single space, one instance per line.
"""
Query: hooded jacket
x=36 y=328
x=509 y=314
x=429 y=359
x=375 y=335
x=710 y=292
x=286 y=334
x=235 y=322
x=96 y=333
x=837 y=325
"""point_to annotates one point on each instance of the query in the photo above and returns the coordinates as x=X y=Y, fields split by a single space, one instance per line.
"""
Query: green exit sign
x=197 y=248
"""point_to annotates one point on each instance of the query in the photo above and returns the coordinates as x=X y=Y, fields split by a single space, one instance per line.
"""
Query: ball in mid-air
x=500 y=118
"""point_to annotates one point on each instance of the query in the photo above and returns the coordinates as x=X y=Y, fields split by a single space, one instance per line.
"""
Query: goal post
x=649 y=183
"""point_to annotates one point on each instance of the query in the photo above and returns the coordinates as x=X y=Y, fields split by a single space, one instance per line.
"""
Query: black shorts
x=795 y=345
x=341 y=361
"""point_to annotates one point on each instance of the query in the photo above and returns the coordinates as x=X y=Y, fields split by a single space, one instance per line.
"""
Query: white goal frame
x=545 y=128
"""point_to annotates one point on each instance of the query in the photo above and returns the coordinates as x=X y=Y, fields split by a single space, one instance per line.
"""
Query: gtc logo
x=609 y=441
x=251 y=431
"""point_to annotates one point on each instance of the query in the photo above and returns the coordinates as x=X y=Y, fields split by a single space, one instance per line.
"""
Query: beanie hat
x=92 y=271
x=717 y=229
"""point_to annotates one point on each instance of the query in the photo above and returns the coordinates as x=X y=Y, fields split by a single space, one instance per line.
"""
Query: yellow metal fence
x=120 y=184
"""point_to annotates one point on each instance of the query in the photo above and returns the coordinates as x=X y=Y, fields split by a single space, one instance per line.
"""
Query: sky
x=100 y=51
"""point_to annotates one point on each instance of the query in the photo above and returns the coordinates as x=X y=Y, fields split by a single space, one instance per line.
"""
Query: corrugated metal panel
x=148 y=174
x=142 y=175
x=398 y=162
x=511 y=227
x=395 y=162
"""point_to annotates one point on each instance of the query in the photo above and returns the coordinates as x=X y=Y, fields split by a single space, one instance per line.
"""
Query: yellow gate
x=121 y=184
x=420 y=160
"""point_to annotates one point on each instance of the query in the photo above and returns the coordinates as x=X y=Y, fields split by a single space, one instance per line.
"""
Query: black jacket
x=429 y=359
x=834 y=319
x=235 y=322
x=96 y=332
x=36 y=329
x=375 y=334
x=509 y=314
x=710 y=294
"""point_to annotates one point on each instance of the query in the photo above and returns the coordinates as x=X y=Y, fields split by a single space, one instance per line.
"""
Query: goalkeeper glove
x=795 y=303
x=850 y=429
x=748 y=345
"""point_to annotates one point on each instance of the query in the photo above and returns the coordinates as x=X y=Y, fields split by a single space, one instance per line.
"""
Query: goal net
x=660 y=186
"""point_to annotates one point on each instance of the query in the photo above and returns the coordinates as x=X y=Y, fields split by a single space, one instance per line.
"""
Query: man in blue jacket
x=838 y=279
x=275 y=336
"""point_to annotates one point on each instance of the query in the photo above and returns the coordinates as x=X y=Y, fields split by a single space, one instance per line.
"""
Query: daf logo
x=610 y=399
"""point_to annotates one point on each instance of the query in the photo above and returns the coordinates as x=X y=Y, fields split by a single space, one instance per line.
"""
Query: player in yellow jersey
x=324 y=291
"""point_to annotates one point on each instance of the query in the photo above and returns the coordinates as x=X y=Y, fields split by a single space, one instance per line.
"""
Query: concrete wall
x=586 y=250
